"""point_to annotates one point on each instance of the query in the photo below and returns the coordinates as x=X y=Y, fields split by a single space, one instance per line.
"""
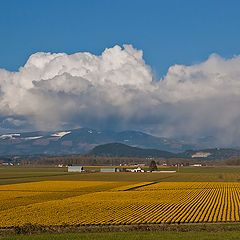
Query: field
x=53 y=197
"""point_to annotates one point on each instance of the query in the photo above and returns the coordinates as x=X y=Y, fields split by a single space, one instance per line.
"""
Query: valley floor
x=170 y=203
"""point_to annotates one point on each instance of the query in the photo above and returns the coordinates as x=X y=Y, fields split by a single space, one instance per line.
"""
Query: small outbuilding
x=75 y=169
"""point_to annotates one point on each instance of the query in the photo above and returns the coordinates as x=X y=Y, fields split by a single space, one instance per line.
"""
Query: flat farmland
x=12 y=175
x=53 y=197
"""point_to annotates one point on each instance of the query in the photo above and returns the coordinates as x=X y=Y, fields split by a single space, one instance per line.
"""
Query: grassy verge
x=133 y=236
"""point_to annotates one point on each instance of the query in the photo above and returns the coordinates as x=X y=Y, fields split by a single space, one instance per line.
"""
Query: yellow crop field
x=165 y=202
x=23 y=194
x=51 y=186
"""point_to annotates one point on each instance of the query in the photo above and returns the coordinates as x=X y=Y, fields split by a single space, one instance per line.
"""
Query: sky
x=169 y=31
x=171 y=68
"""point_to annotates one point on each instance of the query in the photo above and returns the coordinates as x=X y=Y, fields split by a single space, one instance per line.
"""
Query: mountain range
x=82 y=140
x=106 y=143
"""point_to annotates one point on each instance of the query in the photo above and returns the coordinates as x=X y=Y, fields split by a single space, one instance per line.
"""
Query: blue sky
x=168 y=31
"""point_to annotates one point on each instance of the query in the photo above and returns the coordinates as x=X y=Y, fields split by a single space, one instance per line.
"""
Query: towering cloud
x=117 y=90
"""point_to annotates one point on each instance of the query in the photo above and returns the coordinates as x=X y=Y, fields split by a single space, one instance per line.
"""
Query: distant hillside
x=123 y=150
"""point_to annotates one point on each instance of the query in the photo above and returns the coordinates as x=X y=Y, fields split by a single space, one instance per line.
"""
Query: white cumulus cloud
x=117 y=90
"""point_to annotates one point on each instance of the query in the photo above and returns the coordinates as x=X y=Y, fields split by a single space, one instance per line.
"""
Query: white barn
x=75 y=169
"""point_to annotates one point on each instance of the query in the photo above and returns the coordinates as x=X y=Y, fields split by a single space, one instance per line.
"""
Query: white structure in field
x=109 y=170
x=201 y=155
x=75 y=169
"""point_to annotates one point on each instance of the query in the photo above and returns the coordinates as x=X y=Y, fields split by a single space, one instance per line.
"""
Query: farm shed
x=75 y=169
x=109 y=170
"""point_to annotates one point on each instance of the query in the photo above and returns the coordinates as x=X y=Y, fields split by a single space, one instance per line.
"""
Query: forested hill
x=123 y=150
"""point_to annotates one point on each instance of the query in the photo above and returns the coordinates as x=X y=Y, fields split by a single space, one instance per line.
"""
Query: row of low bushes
x=37 y=229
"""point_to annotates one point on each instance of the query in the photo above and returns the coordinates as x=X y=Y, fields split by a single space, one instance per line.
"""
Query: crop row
x=189 y=185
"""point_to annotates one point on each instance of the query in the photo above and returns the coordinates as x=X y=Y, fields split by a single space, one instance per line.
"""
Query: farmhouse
x=75 y=169
x=137 y=170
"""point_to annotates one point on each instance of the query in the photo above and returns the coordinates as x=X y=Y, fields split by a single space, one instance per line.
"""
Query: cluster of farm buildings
x=111 y=169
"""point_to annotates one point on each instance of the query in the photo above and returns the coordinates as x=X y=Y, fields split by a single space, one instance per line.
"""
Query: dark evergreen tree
x=153 y=166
